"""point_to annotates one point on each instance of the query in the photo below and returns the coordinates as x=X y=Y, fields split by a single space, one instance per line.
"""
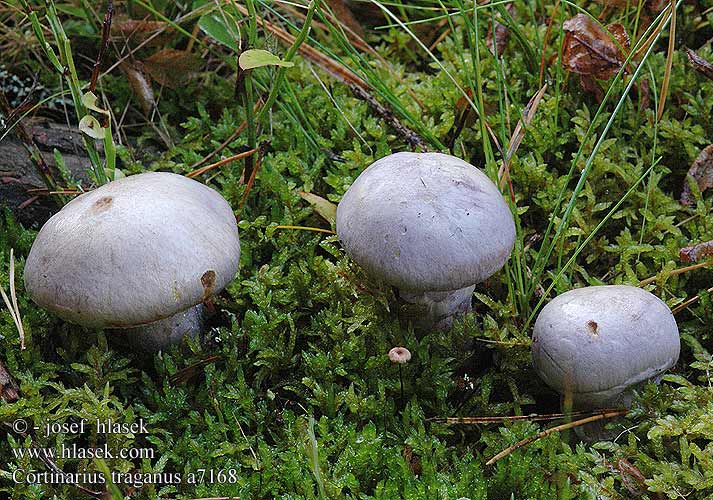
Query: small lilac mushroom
x=141 y=253
x=430 y=224
x=600 y=342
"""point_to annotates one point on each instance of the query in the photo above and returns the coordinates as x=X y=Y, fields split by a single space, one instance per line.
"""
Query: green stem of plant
x=280 y=76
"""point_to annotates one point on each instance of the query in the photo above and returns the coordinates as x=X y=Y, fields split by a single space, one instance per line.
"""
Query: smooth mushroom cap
x=597 y=341
x=426 y=222
x=134 y=251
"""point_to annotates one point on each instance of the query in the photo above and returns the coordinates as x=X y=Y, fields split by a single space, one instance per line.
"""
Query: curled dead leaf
x=591 y=50
x=325 y=208
x=701 y=65
x=696 y=252
x=170 y=67
x=140 y=85
x=702 y=171
x=137 y=31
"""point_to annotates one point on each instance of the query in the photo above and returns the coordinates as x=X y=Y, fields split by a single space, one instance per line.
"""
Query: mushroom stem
x=437 y=309
x=163 y=333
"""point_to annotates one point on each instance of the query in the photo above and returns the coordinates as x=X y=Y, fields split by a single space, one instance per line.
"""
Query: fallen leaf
x=345 y=16
x=502 y=33
x=702 y=172
x=171 y=67
x=696 y=252
x=138 y=31
x=700 y=64
x=257 y=58
x=140 y=85
x=590 y=50
x=325 y=208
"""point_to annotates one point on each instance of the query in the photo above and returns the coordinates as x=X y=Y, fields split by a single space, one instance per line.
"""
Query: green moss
x=298 y=397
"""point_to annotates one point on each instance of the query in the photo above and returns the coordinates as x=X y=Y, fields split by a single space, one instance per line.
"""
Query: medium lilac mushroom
x=600 y=342
x=141 y=253
x=430 y=224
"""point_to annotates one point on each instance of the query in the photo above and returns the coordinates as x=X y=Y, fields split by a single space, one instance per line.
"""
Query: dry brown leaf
x=702 y=172
x=590 y=50
x=171 y=67
x=502 y=33
x=700 y=64
x=140 y=85
x=325 y=208
x=696 y=252
x=345 y=16
x=138 y=30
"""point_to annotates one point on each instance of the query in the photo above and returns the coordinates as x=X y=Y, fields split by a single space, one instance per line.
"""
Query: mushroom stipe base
x=436 y=309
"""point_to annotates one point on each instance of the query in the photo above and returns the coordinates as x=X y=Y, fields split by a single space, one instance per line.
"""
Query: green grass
x=298 y=399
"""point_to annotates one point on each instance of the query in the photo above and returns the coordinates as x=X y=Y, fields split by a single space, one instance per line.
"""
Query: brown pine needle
x=222 y=162
x=563 y=427
x=676 y=272
x=11 y=302
x=669 y=60
x=307 y=228
x=691 y=301
x=531 y=418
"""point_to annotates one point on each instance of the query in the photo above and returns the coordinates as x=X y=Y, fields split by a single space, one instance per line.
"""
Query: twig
x=230 y=139
x=689 y=302
x=411 y=137
x=307 y=228
x=105 y=43
x=251 y=180
x=675 y=272
x=222 y=162
x=491 y=420
x=563 y=427
x=11 y=302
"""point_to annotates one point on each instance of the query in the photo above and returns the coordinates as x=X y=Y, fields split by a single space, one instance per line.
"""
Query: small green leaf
x=256 y=58
x=90 y=126
x=214 y=26
x=90 y=102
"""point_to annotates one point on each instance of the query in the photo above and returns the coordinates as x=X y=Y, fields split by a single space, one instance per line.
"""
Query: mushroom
x=430 y=224
x=600 y=342
x=143 y=252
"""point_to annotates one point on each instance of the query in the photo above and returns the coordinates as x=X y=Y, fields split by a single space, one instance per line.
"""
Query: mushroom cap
x=426 y=222
x=134 y=251
x=598 y=341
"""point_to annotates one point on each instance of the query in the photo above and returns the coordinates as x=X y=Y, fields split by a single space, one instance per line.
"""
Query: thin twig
x=106 y=29
x=676 y=272
x=11 y=302
x=222 y=162
x=563 y=427
x=530 y=418
x=412 y=138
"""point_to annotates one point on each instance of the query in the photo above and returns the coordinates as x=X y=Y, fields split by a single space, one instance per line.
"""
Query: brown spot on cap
x=208 y=282
x=592 y=328
x=101 y=205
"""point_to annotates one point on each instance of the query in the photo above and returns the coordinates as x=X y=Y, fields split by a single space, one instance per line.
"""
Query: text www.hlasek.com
x=76 y=452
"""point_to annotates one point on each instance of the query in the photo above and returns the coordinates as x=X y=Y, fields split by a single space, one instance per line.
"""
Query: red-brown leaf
x=700 y=64
x=138 y=30
x=171 y=67
x=702 y=172
x=590 y=50
x=696 y=252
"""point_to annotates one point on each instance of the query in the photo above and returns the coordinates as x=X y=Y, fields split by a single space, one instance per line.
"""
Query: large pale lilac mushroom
x=600 y=342
x=430 y=224
x=142 y=253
